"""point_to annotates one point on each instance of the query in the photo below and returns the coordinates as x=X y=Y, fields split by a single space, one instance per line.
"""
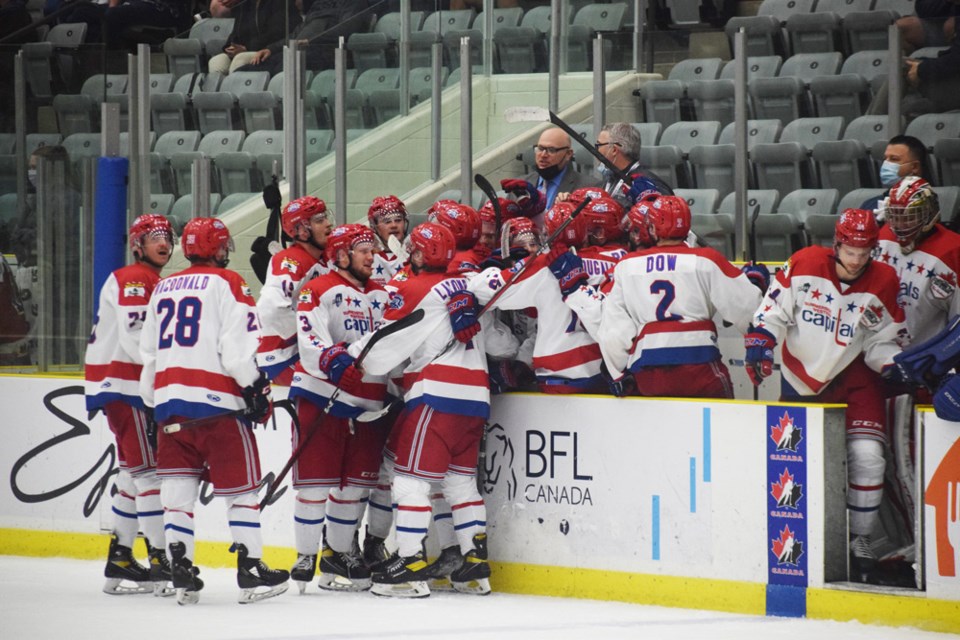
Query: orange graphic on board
x=943 y=494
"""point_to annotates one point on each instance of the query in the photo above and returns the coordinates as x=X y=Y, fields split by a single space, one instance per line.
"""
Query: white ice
x=59 y=598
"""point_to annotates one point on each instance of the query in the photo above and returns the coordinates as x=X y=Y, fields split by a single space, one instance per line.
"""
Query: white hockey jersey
x=199 y=344
x=823 y=324
x=331 y=309
x=928 y=279
x=453 y=382
x=112 y=363
x=385 y=266
x=563 y=350
x=660 y=309
x=289 y=270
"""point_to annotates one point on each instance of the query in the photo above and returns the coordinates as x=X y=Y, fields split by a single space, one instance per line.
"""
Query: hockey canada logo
x=786 y=491
x=786 y=434
x=496 y=461
x=787 y=548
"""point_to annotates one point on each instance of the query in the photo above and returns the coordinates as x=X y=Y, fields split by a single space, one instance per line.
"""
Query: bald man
x=554 y=174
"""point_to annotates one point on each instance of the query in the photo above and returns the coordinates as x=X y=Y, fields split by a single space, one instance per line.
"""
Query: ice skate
x=342 y=571
x=473 y=576
x=253 y=573
x=125 y=576
x=184 y=574
x=375 y=553
x=303 y=570
x=863 y=562
x=160 y=572
x=403 y=577
x=440 y=569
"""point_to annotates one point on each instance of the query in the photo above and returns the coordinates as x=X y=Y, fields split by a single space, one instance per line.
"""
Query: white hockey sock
x=125 y=510
x=412 y=497
x=243 y=515
x=442 y=520
x=865 y=466
x=149 y=509
x=469 y=512
x=178 y=496
x=308 y=520
x=380 y=504
x=344 y=509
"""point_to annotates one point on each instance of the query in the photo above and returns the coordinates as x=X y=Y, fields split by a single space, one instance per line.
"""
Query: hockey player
x=387 y=217
x=925 y=255
x=112 y=368
x=447 y=402
x=835 y=314
x=657 y=320
x=199 y=346
x=306 y=221
x=339 y=465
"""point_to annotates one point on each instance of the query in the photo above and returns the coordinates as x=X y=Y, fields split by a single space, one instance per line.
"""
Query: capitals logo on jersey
x=786 y=547
x=134 y=290
x=786 y=491
x=787 y=435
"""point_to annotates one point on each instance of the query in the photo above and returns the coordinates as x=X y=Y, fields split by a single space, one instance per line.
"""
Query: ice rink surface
x=46 y=598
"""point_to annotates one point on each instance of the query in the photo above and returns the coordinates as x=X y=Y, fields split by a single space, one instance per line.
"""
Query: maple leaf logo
x=786 y=492
x=787 y=548
x=786 y=435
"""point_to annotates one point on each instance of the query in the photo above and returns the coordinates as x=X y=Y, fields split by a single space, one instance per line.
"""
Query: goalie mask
x=912 y=209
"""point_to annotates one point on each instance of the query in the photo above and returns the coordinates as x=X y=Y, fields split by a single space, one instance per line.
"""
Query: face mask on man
x=32 y=177
x=549 y=173
x=606 y=174
x=889 y=173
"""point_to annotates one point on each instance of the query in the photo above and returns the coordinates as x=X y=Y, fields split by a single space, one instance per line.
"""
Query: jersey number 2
x=664 y=288
x=186 y=329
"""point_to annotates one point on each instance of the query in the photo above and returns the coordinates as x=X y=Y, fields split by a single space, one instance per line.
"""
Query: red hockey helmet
x=462 y=220
x=913 y=208
x=579 y=195
x=386 y=209
x=575 y=234
x=604 y=213
x=636 y=221
x=203 y=238
x=346 y=237
x=149 y=224
x=857 y=228
x=668 y=218
x=299 y=212
x=508 y=210
x=435 y=242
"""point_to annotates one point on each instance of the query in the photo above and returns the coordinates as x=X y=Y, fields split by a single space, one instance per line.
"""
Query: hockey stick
x=401 y=324
x=539 y=114
x=484 y=185
x=197 y=422
x=396 y=248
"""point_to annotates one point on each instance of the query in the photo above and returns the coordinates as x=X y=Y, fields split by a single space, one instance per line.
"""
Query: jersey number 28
x=186 y=330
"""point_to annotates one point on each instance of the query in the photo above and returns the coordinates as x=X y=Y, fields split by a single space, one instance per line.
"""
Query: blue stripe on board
x=693 y=484
x=655 y=527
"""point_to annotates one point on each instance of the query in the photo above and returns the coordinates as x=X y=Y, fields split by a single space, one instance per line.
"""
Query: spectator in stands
x=24 y=234
x=932 y=84
x=122 y=16
x=323 y=24
x=933 y=24
x=904 y=156
x=619 y=142
x=257 y=24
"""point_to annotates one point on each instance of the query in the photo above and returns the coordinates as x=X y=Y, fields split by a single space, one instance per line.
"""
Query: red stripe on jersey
x=197 y=378
x=796 y=367
x=678 y=327
x=124 y=370
x=866 y=487
x=567 y=359
x=447 y=373
x=272 y=343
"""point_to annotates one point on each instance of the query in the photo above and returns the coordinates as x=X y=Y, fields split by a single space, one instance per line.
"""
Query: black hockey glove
x=257 y=399
x=151 y=427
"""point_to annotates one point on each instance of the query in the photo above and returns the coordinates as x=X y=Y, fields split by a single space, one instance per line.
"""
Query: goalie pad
x=927 y=362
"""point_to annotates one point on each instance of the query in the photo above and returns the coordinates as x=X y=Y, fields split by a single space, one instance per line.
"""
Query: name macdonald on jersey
x=180 y=283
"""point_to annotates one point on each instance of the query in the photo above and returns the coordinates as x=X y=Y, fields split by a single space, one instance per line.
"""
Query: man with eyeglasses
x=554 y=175
x=619 y=143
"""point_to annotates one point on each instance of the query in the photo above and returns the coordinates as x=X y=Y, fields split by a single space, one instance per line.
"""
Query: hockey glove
x=529 y=199
x=567 y=268
x=758 y=274
x=759 y=358
x=335 y=362
x=641 y=188
x=464 y=316
x=946 y=402
x=257 y=399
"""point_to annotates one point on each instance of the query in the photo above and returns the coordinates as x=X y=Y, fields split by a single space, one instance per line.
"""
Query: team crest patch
x=871 y=316
x=396 y=301
x=134 y=290
x=289 y=264
x=304 y=296
x=940 y=289
x=245 y=289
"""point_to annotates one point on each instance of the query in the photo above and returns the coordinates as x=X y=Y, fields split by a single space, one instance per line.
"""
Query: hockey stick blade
x=484 y=185
x=526 y=114
x=396 y=248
